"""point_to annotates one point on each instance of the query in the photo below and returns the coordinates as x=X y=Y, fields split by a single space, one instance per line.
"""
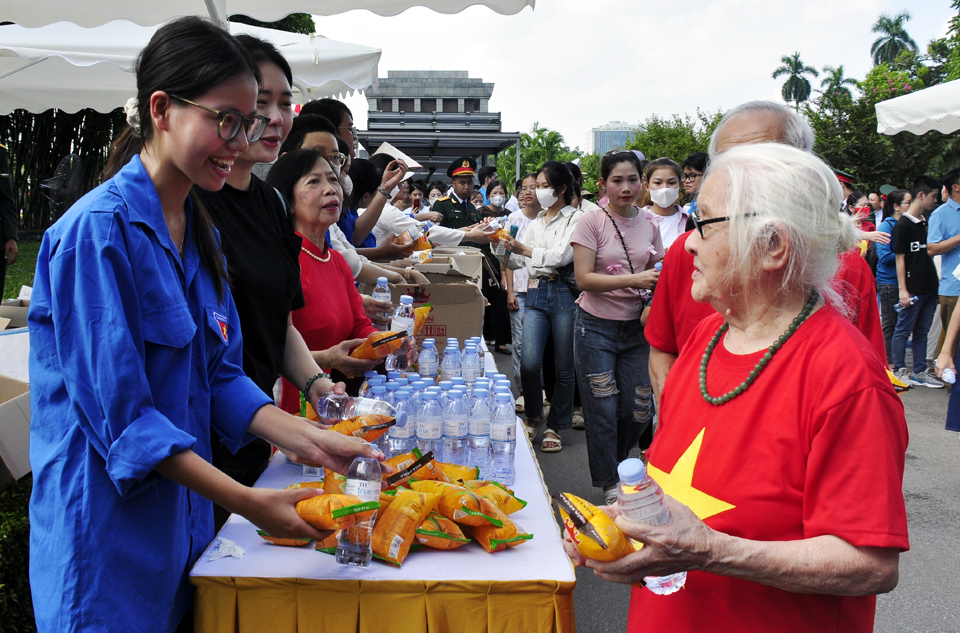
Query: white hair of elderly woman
x=794 y=194
x=797 y=130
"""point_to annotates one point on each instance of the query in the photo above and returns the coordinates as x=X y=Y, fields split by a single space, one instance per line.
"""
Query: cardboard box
x=16 y=311
x=14 y=430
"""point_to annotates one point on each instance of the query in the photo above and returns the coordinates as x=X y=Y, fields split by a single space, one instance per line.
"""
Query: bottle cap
x=421 y=384
x=401 y=418
x=378 y=390
x=632 y=470
x=403 y=382
x=369 y=374
x=377 y=380
x=434 y=389
x=402 y=394
x=430 y=395
x=406 y=300
x=412 y=376
x=428 y=344
x=381 y=281
x=393 y=375
x=392 y=386
x=503 y=397
x=445 y=385
x=458 y=380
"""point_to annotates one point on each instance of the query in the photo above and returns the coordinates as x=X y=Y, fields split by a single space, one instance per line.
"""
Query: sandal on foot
x=551 y=442
x=578 y=422
x=533 y=426
x=520 y=408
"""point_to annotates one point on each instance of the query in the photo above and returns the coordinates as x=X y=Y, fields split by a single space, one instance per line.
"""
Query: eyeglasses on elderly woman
x=697 y=222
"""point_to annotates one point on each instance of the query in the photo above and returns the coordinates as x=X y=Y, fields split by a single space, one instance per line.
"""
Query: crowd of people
x=730 y=316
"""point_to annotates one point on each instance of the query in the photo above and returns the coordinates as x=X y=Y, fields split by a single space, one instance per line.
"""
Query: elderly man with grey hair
x=674 y=314
x=772 y=409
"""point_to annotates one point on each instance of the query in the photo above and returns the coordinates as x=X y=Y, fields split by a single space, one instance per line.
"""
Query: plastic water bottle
x=430 y=425
x=478 y=340
x=382 y=293
x=445 y=387
x=402 y=439
x=455 y=429
x=337 y=407
x=501 y=388
x=470 y=366
x=450 y=366
x=949 y=376
x=458 y=381
x=478 y=432
x=899 y=306
x=365 y=385
x=503 y=440
x=429 y=363
x=641 y=500
x=365 y=388
x=363 y=481
x=402 y=321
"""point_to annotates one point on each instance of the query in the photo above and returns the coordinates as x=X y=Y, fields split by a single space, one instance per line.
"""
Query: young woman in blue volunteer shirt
x=136 y=355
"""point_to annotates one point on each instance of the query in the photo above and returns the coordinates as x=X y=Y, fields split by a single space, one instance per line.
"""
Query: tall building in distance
x=601 y=140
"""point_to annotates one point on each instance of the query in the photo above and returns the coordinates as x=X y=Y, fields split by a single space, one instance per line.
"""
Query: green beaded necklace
x=743 y=386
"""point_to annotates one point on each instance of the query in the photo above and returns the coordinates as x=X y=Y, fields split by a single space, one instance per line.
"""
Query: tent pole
x=24 y=67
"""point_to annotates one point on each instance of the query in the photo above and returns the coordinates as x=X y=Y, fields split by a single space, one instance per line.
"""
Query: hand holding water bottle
x=685 y=543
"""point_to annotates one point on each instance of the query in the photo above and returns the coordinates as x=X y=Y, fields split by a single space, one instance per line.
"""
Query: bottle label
x=503 y=432
x=429 y=430
x=428 y=368
x=470 y=374
x=365 y=490
x=364 y=406
x=455 y=428
x=403 y=432
x=644 y=505
x=402 y=324
x=479 y=427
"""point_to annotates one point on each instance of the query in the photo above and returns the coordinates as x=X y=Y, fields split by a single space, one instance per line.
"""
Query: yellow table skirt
x=294 y=605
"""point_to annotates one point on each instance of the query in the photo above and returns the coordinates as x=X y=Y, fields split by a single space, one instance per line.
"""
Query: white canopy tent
x=92 y=13
x=68 y=67
x=934 y=108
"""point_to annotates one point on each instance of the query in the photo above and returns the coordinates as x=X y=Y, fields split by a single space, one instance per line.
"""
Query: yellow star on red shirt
x=678 y=483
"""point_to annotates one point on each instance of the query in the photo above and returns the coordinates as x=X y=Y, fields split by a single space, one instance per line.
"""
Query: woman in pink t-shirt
x=614 y=251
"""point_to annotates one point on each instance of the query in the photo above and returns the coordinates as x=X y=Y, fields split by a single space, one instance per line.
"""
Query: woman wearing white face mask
x=546 y=252
x=662 y=178
x=496 y=324
x=497 y=192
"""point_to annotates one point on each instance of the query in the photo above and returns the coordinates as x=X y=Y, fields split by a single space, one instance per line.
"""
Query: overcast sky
x=574 y=64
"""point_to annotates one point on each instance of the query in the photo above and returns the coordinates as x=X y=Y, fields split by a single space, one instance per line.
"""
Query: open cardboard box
x=16 y=311
x=14 y=430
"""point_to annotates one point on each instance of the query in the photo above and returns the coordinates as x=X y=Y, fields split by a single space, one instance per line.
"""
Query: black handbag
x=569 y=277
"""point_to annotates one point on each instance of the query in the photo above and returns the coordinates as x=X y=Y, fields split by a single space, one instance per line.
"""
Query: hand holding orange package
x=592 y=531
x=420 y=317
x=335 y=511
x=379 y=345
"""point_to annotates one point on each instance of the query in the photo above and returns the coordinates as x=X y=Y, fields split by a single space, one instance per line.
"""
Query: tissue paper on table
x=225 y=547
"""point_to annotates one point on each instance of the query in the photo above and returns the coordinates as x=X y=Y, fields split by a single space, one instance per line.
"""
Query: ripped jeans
x=611 y=362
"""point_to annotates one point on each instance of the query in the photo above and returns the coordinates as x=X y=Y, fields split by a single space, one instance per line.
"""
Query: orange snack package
x=493 y=537
x=305 y=484
x=473 y=484
x=395 y=532
x=412 y=464
x=333 y=482
x=439 y=532
x=329 y=544
x=368 y=427
x=335 y=511
x=420 y=316
x=501 y=497
x=379 y=345
x=593 y=532
x=287 y=542
x=455 y=473
x=459 y=504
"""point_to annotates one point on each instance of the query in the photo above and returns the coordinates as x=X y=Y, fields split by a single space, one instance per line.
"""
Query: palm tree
x=797 y=87
x=834 y=83
x=893 y=39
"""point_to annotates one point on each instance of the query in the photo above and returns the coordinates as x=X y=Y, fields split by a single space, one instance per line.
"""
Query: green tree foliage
x=893 y=39
x=675 y=137
x=847 y=137
x=16 y=604
x=797 y=87
x=293 y=23
x=835 y=82
x=536 y=148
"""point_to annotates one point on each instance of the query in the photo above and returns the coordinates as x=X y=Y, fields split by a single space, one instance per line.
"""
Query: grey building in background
x=435 y=116
x=601 y=140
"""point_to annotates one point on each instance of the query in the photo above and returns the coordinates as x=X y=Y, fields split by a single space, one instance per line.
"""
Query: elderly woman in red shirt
x=332 y=321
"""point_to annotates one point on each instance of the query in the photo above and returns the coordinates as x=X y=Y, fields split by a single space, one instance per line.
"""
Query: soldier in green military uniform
x=9 y=217
x=456 y=209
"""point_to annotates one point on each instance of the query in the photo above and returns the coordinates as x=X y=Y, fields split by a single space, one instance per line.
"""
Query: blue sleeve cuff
x=146 y=442
x=232 y=409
